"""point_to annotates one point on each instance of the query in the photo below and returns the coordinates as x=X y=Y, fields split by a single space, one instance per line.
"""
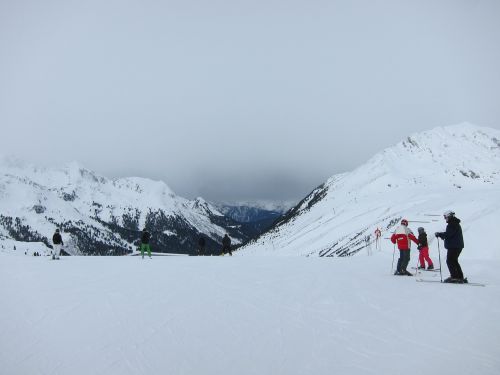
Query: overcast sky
x=237 y=99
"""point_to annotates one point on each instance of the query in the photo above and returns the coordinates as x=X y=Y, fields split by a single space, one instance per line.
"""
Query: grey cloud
x=230 y=99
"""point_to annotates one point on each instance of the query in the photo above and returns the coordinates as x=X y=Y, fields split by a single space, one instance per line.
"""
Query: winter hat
x=448 y=213
x=57 y=230
x=404 y=222
x=421 y=230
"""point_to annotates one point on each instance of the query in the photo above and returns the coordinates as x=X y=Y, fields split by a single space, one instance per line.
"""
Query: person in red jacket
x=403 y=237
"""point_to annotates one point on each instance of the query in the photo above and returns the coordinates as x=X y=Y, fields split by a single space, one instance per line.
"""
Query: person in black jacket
x=226 y=245
x=201 y=246
x=58 y=243
x=423 y=248
x=145 y=237
x=454 y=243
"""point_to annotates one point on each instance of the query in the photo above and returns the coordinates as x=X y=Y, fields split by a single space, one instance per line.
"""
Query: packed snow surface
x=244 y=315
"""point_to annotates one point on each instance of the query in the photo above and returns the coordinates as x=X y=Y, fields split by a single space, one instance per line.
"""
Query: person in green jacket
x=145 y=243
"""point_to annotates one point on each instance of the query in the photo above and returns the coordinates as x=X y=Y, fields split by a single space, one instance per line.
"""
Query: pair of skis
x=423 y=269
x=439 y=281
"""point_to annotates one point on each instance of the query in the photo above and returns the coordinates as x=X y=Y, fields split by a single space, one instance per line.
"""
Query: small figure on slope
x=201 y=246
x=145 y=237
x=454 y=243
x=403 y=237
x=368 y=246
x=226 y=245
x=58 y=243
x=378 y=234
x=423 y=249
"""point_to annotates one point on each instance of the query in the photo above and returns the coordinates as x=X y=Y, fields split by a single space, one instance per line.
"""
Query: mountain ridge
x=104 y=216
x=454 y=167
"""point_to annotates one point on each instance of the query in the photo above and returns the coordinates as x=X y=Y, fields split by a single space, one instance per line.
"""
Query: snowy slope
x=99 y=215
x=243 y=315
x=455 y=167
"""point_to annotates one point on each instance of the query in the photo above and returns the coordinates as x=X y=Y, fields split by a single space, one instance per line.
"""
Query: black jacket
x=422 y=240
x=57 y=239
x=201 y=242
x=145 y=237
x=226 y=242
x=453 y=238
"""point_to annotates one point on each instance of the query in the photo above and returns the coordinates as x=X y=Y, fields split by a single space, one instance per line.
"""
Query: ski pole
x=440 y=267
x=418 y=262
x=393 y=252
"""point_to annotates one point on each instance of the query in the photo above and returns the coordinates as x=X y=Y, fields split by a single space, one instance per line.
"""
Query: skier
x=201 y=246
x=423 y=249
x=368 y=245
x=58 y=242
x=145 y=237
x=226 y=245
x=454 y=243
x=378 y=234
x=402 y=236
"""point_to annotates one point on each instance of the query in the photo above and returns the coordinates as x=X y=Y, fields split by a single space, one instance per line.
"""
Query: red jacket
x=403 y=237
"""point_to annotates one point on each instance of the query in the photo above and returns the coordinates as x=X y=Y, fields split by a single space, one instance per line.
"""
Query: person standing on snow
x=201 y=246
x=58 y=243
x=226 y=245
x=403 y=237
x=378 y=234
x=423 y=249
x=145 y=237
x=454 y=243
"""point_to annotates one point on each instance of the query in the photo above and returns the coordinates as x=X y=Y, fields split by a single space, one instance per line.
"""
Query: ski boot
x=431 y=267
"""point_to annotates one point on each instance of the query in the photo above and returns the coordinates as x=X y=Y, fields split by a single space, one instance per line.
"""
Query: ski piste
x=439 y=281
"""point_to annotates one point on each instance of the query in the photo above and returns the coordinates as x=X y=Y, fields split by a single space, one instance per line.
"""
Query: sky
x=239 y=100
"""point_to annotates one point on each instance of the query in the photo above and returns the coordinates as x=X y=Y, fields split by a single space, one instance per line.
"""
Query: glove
x=419 y=247
x=438 y=235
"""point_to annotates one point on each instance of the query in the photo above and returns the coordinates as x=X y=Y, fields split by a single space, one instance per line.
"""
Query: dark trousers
x=404 y=259
x=227 y=249
x=453 y=265
x=201 y=250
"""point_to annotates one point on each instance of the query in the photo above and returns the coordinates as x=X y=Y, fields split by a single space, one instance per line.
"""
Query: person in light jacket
x=403 y=236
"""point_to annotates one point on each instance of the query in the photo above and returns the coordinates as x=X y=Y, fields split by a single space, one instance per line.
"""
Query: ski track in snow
x=243 y=315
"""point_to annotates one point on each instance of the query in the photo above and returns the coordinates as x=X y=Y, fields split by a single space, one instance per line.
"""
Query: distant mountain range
x=256 y=217
x=100 y=216
x=252 y=211
x=455 y=167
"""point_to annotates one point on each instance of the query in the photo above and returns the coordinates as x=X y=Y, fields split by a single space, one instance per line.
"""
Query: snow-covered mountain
x=103 y=216
x=455 y=167
x=255 y=217
x=251 y=211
